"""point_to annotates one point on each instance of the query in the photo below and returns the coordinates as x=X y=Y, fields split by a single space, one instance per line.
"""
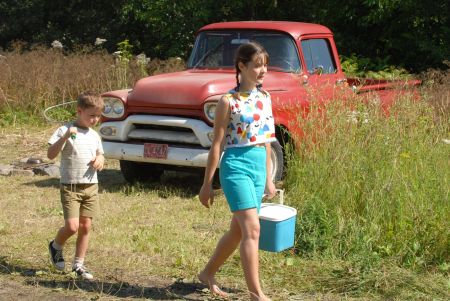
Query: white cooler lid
x=276 y=212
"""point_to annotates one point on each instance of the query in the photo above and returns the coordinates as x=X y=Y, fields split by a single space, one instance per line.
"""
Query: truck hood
x=189 y=89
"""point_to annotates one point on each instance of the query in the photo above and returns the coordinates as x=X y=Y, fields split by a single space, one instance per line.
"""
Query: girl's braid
x=236 y=94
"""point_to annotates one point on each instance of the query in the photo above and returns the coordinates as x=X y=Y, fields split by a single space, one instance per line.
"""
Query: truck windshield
x=216 y=49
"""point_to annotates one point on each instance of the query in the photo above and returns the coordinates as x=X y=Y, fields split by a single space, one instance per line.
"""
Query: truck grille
x=163 y=133
x=172 y=130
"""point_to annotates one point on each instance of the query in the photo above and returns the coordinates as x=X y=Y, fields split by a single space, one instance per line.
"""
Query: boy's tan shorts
x=79 y=200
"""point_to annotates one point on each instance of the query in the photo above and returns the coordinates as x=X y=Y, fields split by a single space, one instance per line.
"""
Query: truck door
x=321 y=71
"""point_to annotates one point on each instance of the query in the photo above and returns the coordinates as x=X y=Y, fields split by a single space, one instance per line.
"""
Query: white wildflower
x=57 y=44
x=446 y=141
x=99 y=41
x=352 y=117
x=358 y=117
x=365 y=117
x=142 y=59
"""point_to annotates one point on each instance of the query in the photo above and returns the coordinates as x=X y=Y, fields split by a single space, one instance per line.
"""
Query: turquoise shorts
x=243 y=176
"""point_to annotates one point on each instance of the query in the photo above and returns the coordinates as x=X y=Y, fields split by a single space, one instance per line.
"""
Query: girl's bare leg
x=225 y=247
x=249 y=224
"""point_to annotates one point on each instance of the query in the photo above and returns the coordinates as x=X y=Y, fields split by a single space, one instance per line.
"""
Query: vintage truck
x=166 y=121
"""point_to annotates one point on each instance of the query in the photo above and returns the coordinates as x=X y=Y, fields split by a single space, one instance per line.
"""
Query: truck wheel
x=277 y=161
x=140 y=172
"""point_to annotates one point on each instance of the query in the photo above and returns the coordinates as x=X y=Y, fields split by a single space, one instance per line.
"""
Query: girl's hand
x=206 y=195
x=270 y=190
x=97 y=162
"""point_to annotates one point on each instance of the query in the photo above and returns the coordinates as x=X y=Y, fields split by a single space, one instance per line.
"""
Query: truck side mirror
x=318 y=70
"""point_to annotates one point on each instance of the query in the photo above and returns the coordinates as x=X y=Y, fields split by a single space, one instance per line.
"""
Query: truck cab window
x=216 y=49
x=318 y=56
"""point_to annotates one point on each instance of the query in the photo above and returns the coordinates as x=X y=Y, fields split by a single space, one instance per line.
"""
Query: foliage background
x=410 y=34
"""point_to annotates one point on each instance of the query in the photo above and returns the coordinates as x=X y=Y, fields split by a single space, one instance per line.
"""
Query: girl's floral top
x=251 y=119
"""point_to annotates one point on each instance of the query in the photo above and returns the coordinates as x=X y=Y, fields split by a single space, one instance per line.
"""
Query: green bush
x=356 y=66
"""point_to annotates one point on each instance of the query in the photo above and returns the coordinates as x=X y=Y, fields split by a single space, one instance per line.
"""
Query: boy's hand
x=97 y=162
x=71 y=132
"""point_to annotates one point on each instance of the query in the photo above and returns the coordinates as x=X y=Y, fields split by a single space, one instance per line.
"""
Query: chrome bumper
x=178 y=156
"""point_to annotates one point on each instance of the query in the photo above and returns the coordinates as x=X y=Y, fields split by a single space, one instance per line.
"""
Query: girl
x=244 y=128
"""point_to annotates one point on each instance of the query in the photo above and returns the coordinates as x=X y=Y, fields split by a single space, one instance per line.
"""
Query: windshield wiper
x=208 y=53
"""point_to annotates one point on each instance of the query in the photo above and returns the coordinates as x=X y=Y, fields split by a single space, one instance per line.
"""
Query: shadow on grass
x=172 y=183
x=116 y=288
x=44 y=183
x=174 y=291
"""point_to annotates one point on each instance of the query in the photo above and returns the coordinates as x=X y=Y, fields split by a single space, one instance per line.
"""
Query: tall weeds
x=372 y=188
x=30 y=81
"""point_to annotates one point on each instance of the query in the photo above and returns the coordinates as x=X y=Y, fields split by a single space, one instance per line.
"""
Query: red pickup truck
x=166 y=121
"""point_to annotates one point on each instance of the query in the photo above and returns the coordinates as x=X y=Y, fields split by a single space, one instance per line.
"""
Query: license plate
x=156 y=151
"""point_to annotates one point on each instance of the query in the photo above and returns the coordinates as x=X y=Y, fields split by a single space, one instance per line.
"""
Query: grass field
x=152 y=239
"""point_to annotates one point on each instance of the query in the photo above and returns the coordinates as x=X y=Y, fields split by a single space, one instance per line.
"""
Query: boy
x=81 y=158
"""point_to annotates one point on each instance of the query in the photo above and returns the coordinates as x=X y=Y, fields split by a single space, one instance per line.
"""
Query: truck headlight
x=210 y=110
x=114 y=107
x=118 y=108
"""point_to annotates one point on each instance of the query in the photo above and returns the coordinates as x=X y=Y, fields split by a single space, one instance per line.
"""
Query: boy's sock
x=80 y=269
x=78 y=261
x=56 y=246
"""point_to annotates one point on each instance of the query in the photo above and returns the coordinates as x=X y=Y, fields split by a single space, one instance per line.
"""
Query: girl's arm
x=221 y=121
x=270 y=187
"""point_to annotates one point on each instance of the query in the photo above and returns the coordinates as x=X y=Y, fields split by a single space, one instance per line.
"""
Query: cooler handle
x=281 y=193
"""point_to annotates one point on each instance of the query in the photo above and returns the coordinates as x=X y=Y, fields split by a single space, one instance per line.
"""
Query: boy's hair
x=90 y=99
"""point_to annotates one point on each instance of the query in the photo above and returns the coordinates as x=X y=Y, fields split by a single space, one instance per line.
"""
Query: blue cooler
x=277 y=226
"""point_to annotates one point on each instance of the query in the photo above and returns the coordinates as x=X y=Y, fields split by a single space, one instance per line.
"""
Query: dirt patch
x=14 y=289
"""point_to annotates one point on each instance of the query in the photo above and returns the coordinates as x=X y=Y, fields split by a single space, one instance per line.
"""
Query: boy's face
x=88 y=117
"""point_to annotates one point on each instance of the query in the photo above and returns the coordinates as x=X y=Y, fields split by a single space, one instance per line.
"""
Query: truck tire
x=277 y=161
x=140 y=172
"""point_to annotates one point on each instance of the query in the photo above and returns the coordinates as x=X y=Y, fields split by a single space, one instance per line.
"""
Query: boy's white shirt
x=77 y=154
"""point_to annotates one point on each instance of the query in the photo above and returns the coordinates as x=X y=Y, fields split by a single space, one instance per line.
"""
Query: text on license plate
x=153 y=150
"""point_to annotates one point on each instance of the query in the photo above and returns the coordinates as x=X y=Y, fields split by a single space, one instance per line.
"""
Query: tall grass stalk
x=31 y=81
x=372 y=188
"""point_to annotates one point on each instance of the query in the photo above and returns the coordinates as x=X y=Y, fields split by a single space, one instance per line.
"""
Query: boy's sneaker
x=81 y=271
x=56 y=257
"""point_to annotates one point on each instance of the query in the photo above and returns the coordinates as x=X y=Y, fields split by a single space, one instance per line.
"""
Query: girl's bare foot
x=211 y=282
x=261 y=297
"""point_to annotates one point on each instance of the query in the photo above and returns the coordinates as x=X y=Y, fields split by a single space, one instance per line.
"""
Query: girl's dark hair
x=245 y=53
